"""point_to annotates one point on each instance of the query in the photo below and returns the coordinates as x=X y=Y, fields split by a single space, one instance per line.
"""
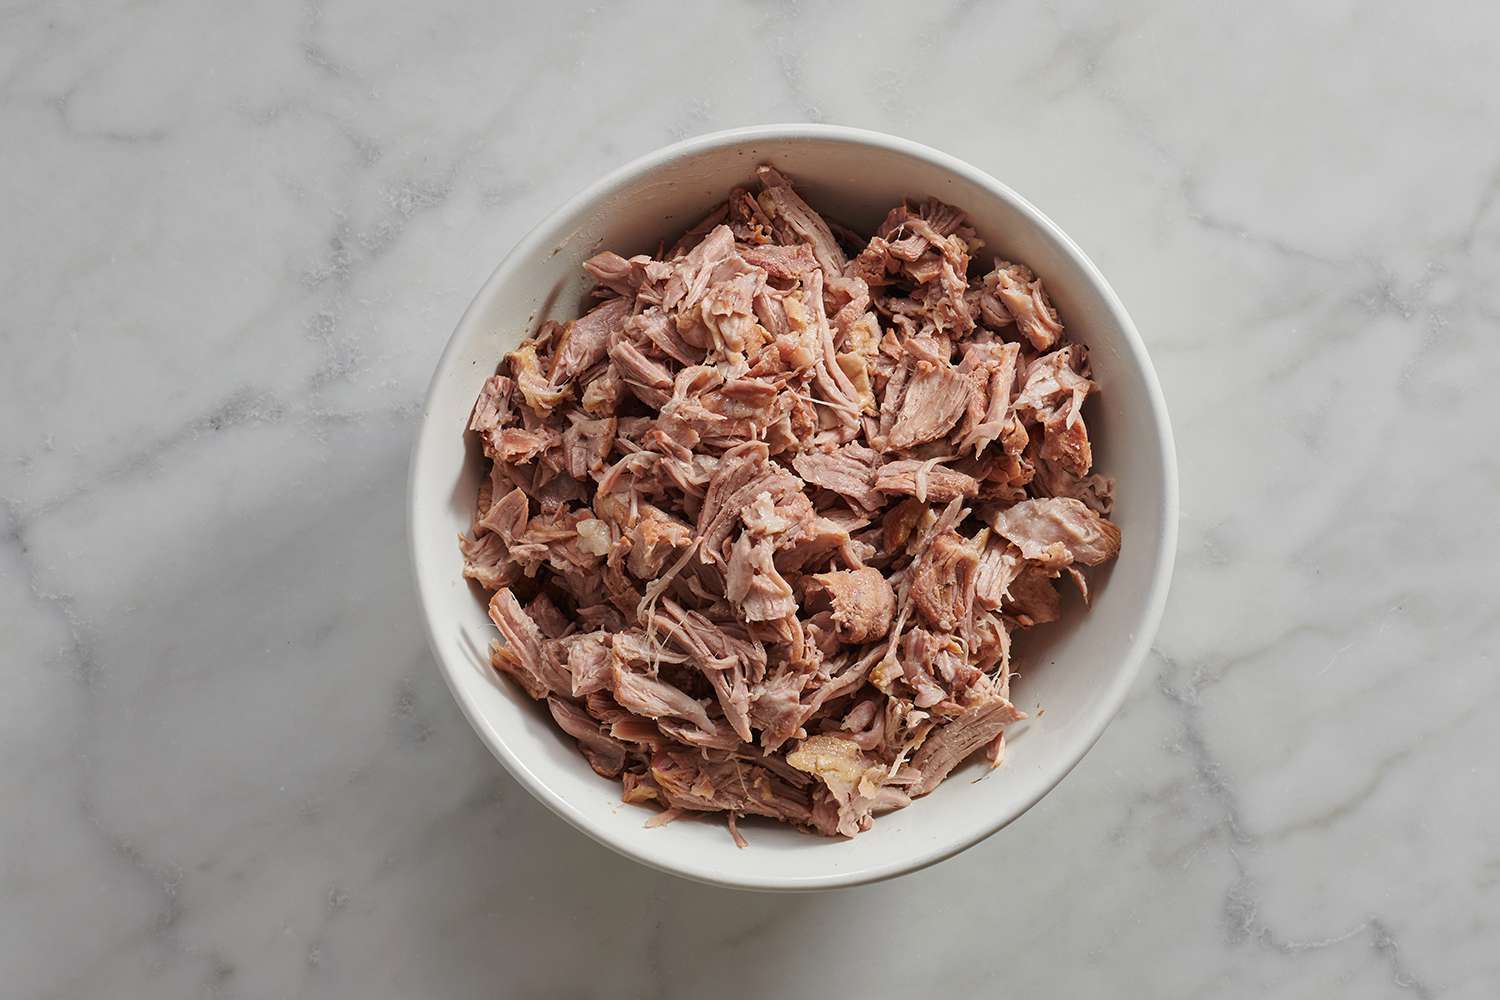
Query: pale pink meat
x=927 y=481
x=936 y=396
x=1046 y=527
x=950 y=745
x=863 y=603
x=654 y=699
x=760 y=522
x=492 y=409
x=605 y=754
x=584 y=341
x=943 y=581
x=848 y=470
x=521 y=653
x=588 y=661
x=752 y=584
x=1020 y=292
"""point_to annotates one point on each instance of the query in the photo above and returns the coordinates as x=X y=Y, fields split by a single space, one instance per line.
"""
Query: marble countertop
x=236 y=238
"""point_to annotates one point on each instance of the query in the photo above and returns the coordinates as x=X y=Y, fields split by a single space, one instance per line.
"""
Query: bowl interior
x=1077 y=669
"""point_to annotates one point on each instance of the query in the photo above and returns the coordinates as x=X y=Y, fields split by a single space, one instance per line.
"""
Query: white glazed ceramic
x=1078 y=670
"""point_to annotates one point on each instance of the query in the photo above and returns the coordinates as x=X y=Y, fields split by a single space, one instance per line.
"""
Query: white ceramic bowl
x=1078 y=670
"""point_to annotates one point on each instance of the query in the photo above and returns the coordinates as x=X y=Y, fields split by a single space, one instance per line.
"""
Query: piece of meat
x=848 y=470
x=518 y=446
x=1080 y=581
x=864 y=726
x=507 y=516
x=539 y=394
x=928 y=244
x=727 y=308
x=548 y=617
x=919 y=651
x=728 y=663
x=936 y=396
x=891 y=397
x=999 y=564
x=823 y=539
x=616 y=273
x=853 y=781
x=990 y=645
x=555 y=537
x=1055 y=390
x=1057 y=531
x=1067 y=442
x=742 y=475
x=940 y=300
x=586 y=444
x=720 y=737
x=1094 y=491
x=696 y=781
x=952 y=744
x=492 y=410
x=899 y=524
x=587 y=659
x=1032 y=598
x=605 y=754
x=1020 y=292
x=795 y=221
x=784 y=520
x=1054 y=382
x=654 y=539
x=600 y=617
x=842 y=405
x=863 y=603
x=748 y=220
x=602 y=394
x=752 y=584
x=584 y=341
x=776 y=707
x=930 y=218
x=647 y=378
x=655 y=327
x=521 y=653
x=655 y=699
x=927 y=481
x=738 y=468
x=741 y=398
x=991 y=370
x=692 y=273
x=943 y=581
x=487 y=561
x=783 y=263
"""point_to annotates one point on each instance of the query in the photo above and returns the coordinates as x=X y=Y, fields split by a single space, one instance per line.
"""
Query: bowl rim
x=1118 y=685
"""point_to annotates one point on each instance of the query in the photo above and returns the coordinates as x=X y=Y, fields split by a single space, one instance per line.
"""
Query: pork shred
x=760 y=524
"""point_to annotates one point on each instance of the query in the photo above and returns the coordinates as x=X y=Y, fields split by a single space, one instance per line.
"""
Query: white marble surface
x=235 y=238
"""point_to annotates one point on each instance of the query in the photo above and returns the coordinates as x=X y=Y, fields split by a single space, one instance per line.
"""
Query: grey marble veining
x=235 y=240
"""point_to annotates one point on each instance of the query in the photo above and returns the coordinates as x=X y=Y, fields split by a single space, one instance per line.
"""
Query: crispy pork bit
x=759 y=524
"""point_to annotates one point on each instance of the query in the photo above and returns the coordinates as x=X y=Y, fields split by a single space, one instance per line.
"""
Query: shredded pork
x=760 y=524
